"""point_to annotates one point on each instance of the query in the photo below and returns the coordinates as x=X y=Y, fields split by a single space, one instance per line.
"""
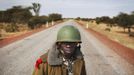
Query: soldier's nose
x=68 y=46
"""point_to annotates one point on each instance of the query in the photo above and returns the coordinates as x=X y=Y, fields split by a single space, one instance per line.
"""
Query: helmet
x=68 y=34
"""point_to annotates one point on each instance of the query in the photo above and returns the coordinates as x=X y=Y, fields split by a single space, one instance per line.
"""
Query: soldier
x=65 y=57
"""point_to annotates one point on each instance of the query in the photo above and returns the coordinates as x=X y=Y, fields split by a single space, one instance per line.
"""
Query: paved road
x=19 y=57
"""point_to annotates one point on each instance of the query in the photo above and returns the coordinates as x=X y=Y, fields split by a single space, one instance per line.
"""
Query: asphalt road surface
x=19 y=57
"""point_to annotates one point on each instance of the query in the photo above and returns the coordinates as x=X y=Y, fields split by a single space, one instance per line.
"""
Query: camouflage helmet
x=68 y=34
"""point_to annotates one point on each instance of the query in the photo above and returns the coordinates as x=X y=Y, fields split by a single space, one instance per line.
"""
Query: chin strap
x=62 y=52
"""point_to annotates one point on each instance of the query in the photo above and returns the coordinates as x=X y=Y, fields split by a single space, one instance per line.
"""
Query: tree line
x=23 y=15
x=124 y=20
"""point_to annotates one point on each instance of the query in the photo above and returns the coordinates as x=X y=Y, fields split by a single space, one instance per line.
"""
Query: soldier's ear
x=78 y=44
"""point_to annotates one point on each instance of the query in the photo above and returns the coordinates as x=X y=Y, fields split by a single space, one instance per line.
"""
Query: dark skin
x=68 y=48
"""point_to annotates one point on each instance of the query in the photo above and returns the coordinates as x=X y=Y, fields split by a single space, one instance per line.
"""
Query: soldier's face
x=68 y=47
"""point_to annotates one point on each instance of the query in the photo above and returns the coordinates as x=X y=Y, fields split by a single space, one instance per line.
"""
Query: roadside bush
x=55 y=17
x=11 y=28
x=107 y=29
x=37 y=21
x=131 y=34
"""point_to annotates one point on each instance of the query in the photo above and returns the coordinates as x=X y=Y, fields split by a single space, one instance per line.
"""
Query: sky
x=76 y=8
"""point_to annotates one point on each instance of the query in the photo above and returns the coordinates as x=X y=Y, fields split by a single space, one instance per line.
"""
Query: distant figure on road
x=65 y=57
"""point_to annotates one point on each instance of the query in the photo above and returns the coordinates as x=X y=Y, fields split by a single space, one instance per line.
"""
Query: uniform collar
x=54 y=57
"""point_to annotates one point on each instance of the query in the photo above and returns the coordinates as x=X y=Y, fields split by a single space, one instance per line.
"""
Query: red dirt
x=123 y=51
x=12 y=39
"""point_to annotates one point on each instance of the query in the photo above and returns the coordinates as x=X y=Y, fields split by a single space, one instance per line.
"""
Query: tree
x=36 y=8
x=55 y=17
x=37 y=21
x=124 y=20
x=78 y=18
x=21 y=16
x=132 y=17
x=16 y=14
x=98 y=20
x=5 y=16
x=107 y=20
x=2 y=16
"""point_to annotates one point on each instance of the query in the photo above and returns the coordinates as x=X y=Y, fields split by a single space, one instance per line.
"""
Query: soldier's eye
x=69 y=43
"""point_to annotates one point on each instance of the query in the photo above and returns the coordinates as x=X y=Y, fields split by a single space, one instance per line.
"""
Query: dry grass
x=23 y=28
x=117 y=33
